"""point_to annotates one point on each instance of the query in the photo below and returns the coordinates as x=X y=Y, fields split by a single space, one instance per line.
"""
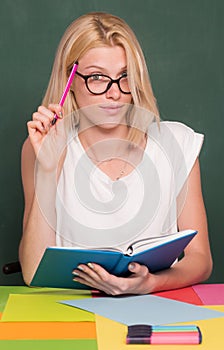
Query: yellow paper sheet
x=25 y=308
x=111 y=335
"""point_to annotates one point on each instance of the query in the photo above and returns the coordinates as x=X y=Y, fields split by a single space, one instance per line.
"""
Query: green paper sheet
x=43 y=307
x=6 y=290
x=83 y=344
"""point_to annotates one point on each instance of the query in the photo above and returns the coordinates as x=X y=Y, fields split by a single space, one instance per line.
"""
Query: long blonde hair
x=94 y=30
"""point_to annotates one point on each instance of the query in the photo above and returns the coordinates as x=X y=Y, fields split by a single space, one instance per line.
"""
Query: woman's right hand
x=48 y=140
x=40 y=124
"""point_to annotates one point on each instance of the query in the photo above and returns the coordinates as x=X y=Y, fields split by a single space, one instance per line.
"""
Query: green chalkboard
x=183 y=44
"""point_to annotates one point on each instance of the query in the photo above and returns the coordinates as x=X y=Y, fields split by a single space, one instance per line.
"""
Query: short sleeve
x=181 y=146
x=190 y=142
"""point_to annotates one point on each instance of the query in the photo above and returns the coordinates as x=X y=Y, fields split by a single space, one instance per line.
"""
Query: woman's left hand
x=141 y=281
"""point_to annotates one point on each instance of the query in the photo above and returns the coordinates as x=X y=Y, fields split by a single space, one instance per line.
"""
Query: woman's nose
x=113 y=92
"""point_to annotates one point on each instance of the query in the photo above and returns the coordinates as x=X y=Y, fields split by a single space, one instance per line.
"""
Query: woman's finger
x=56 y=109
x=34 y=126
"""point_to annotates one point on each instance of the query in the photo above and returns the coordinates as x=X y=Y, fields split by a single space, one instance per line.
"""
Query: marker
x=174 y=328
x=177 y=334
x=175 y=338
x=69 y=82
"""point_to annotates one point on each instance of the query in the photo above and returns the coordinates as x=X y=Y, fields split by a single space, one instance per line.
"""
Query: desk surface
x=98 y=332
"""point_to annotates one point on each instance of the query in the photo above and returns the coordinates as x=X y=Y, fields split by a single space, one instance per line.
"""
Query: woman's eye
x=96 y=77
x=124 y=75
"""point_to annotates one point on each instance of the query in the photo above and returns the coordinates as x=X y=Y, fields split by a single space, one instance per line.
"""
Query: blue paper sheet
x=147 y=309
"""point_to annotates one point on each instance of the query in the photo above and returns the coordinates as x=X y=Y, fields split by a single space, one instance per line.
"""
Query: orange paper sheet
x=47 y=330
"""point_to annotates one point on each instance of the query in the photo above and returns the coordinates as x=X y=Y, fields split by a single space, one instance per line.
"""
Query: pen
x=69 y=82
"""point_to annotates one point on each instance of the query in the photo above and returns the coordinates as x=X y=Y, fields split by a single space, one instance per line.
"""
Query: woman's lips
x=111 y=109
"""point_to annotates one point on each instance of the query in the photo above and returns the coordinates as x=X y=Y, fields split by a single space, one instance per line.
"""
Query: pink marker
x=69 y=82
x=175 y=338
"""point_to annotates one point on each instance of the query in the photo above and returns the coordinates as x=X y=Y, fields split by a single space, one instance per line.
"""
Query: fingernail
x=91 y=265
x=44 y=130
x=60 y=115
x=75 y=273
x=80 y=268
x=131 y=266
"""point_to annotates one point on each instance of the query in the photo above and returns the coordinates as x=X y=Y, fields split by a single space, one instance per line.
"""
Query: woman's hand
x=95 y=276
x=40 y=124
x=48 y=140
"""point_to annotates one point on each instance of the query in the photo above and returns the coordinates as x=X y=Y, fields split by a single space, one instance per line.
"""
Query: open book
x=157 y=253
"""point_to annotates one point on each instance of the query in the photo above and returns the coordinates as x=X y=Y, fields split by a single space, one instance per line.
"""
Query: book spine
x=121 y=268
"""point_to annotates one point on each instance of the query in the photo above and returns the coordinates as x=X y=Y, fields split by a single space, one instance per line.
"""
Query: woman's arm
x=38 y=164
x=37 y=234
x=195 y=266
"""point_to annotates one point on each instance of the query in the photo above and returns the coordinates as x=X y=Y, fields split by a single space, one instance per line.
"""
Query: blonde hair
x=94 y=30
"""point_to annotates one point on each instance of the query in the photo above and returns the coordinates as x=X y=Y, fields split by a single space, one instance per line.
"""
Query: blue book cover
x=158 y=253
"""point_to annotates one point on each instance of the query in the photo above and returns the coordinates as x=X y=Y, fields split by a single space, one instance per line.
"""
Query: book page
x=151 y=242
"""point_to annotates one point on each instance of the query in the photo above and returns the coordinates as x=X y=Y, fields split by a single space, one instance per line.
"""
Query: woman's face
x=109 y=107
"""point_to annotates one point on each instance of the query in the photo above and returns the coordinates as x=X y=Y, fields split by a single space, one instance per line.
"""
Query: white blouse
x=94 y=211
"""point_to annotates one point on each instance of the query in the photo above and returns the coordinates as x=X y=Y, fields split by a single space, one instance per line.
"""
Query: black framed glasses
x=98 y=84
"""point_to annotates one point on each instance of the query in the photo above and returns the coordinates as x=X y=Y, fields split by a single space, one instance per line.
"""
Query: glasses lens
x=97 y=84
x=124 y=84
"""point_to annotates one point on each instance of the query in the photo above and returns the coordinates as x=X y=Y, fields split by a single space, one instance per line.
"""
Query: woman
x=108 y=163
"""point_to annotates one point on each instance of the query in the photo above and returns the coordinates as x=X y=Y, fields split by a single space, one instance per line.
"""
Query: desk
x=87 y=335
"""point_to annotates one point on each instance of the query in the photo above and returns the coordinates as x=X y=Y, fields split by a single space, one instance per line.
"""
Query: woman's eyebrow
x=93 y=66
x=104 y=68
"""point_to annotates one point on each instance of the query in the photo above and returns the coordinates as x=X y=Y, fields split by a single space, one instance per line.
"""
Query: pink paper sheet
x=210 y=294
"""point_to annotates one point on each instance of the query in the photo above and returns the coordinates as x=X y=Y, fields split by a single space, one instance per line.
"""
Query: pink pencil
x=69 y=82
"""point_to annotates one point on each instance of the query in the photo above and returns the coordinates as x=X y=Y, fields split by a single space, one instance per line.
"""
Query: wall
x=183 y=44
